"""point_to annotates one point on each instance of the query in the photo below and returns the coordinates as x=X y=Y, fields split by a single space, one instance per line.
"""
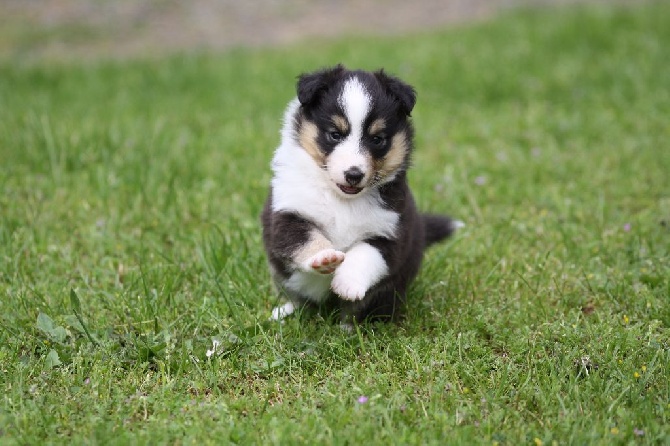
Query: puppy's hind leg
x=382 y=304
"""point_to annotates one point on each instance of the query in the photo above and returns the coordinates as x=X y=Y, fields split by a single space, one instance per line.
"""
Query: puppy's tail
x=439 y=227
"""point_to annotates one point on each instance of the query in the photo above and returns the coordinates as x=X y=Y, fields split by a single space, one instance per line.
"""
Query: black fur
x=437 y=228
x=404 y=93
x=311 y=86
x=283 y=234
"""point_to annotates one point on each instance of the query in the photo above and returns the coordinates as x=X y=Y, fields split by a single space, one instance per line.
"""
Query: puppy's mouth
x=349 y=190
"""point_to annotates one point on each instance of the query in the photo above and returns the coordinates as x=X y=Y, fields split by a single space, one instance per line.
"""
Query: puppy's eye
x=335 y=136
x=378 y=140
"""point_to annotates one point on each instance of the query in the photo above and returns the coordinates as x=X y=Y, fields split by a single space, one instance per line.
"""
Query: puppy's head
x=355 y=125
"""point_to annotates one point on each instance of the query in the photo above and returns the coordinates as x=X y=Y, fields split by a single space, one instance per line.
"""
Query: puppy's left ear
x=403 y=92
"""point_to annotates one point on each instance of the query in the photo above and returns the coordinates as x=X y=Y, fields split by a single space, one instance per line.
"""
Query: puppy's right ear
x=310 y=86
x=404 y=93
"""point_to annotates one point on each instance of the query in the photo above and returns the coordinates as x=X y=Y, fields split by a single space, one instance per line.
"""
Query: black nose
x=353 y=175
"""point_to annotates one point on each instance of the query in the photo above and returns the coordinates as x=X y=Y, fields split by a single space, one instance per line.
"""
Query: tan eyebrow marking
x=377 y=126
x=341 y=123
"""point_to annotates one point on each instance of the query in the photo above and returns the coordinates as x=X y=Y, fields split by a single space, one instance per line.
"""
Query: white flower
x=215 y=345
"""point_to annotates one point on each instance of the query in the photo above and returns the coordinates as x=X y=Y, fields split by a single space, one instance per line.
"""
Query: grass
x=129 y=242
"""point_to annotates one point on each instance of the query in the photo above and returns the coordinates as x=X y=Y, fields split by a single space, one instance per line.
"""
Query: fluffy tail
x=439 y=227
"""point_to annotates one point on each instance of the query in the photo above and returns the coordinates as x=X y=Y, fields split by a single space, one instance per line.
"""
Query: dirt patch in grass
x=121 y=28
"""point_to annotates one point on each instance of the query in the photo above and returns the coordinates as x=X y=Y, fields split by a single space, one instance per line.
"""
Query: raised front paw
x=326 y=261
x=348 y=286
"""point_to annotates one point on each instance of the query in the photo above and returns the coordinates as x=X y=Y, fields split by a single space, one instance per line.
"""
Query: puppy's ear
x=403 y=92
x=311 y=85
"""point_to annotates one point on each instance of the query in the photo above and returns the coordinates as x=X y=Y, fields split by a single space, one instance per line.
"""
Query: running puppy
x=340 y=221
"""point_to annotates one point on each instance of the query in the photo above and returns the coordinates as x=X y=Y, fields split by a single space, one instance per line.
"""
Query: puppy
x=340 y=223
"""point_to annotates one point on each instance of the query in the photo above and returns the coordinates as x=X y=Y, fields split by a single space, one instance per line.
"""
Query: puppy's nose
x=353 y=175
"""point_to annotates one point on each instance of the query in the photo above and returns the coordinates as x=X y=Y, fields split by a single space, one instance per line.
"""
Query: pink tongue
x=350 y=189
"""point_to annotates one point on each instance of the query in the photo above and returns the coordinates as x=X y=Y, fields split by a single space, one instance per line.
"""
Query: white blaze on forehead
x=355 y=101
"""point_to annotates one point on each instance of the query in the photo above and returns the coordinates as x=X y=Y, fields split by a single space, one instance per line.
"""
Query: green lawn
x=130 y=241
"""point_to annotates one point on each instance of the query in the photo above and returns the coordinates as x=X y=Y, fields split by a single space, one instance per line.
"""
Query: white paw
x=280 y=312
x=348 y=286
x=325 y=262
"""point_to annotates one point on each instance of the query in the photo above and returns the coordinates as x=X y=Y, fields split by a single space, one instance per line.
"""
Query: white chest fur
x=300 y=186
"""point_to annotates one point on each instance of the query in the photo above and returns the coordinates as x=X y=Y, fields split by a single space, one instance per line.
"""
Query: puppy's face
x=355 y=126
